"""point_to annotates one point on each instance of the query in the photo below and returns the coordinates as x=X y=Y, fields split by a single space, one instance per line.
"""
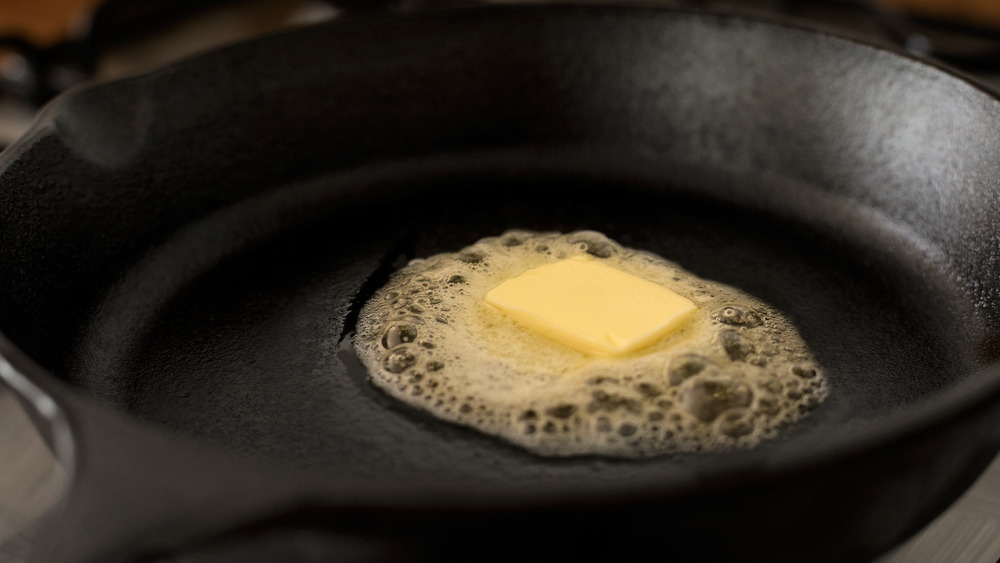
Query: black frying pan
x=184 y=254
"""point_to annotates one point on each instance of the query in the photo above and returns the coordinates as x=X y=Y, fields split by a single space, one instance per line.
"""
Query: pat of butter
x=593 y=307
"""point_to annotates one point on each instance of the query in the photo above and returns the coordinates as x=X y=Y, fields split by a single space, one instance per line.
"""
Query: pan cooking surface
x=252 y=350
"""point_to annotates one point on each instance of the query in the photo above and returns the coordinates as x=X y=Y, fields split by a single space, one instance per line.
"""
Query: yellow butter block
x=593 y=307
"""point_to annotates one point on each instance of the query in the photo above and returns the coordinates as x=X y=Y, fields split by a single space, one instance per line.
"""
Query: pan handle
x=140 y=493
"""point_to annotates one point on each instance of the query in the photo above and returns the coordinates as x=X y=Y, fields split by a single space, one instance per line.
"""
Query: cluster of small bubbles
x=399 y=359
x=737 y=346
x=736 y=316
x=398 y=333
x=706 y=396
x=472 y=255
x=734 y=375
x=593 y=243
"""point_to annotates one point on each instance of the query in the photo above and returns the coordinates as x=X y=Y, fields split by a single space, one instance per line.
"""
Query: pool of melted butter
x=732 y=376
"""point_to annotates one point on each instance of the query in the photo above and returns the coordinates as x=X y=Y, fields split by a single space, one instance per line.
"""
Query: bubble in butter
x=730 y=373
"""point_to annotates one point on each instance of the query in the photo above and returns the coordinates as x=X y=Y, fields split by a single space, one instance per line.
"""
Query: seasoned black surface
x=246 y=354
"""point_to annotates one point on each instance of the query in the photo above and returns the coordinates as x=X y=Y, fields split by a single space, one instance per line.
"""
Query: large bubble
x=732 y=376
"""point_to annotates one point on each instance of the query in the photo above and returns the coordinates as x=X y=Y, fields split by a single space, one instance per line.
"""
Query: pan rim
x=45 y=117
x=54 y=401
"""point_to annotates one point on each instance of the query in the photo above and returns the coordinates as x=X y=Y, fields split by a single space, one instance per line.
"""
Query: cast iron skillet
x=184 y=254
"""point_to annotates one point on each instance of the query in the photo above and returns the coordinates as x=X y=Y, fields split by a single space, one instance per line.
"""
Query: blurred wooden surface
x=976 y=12
x=45 y=22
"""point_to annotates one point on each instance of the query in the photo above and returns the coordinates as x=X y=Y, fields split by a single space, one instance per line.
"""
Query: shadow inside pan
x=237 y=331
